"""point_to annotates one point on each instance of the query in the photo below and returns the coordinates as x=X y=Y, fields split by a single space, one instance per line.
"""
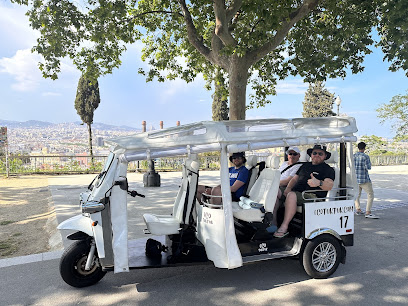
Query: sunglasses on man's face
x=318 y=153
x=234 y=157
x=293 y=153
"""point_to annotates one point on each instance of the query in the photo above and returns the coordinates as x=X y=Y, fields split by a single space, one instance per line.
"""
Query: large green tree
x=318 y=101
x=397 y=112
x=375 y=144
x=86 y=101
x=257 y=41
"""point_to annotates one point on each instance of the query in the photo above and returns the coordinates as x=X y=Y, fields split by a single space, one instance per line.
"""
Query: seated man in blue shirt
x=238 y=175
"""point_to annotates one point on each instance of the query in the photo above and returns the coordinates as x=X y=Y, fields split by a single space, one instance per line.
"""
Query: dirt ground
x=24 y=211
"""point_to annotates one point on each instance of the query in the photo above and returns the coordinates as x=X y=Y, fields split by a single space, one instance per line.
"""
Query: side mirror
x=122 y=183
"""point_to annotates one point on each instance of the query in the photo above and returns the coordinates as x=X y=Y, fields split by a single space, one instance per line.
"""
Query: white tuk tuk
x=228 y=236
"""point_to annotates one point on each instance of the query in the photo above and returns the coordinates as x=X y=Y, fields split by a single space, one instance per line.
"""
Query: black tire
x=321 y=256
x=72 y=266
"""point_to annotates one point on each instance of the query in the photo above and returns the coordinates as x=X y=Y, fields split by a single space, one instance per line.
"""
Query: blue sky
x=126 y=98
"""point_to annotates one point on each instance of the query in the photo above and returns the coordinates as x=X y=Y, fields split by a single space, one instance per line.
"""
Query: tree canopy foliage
x=397 y=112
x=375 y=144
x=318 y=101
x=256 y=42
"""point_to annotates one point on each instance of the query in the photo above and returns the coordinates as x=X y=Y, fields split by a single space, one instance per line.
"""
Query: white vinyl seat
x=304 y=157
x=183 y=205
x=251 y=163
x=333 y=162
x=264 y=191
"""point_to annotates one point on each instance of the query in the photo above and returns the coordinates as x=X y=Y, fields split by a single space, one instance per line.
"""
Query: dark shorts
x=234 y=197
x=308 y=197
x=299 y=198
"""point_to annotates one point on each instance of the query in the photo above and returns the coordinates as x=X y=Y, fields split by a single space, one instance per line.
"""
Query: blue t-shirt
x=240 y=174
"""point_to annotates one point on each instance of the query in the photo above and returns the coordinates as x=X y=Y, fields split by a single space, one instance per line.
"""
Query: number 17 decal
x=343 y=221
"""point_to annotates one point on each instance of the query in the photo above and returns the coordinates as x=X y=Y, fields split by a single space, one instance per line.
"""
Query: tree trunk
x=220 y=101
x=90 y=145
x=238 y=77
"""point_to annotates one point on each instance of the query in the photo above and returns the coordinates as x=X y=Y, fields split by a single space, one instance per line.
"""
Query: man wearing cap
x=238 y=175
x=288 y=170
x=314 y=175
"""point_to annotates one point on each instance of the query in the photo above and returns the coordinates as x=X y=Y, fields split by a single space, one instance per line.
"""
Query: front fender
x=77 y=223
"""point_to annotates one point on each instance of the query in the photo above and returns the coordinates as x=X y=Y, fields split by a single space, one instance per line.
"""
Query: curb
x=14 y=261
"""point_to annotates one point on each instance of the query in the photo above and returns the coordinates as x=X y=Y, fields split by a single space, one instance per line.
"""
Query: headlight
x=83 y=197
x=92 y=207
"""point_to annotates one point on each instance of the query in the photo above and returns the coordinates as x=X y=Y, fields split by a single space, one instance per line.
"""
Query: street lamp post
x=338 y=102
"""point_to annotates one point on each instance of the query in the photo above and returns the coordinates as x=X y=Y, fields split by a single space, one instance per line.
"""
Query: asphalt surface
x=376 y=271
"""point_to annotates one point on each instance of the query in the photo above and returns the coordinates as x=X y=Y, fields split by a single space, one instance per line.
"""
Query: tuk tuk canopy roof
x=237 y=135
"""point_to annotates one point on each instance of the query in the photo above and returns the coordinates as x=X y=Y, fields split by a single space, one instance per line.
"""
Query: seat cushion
x=248 y=215
x=161 y=225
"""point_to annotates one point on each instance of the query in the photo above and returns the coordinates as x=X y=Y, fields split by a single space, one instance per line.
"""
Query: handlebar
x=134 y=193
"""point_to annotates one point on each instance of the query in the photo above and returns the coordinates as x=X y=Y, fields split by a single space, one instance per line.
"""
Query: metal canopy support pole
x=343 y=166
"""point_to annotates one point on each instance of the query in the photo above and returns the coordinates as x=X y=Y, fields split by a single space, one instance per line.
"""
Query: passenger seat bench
x=183 y=205
x=264 y=191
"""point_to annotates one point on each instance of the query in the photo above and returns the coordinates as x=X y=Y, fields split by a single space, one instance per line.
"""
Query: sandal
x=280 y=234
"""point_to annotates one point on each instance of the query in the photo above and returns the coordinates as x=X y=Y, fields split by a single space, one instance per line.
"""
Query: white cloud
x=15 y=26
x=23 y=67
x=295 y=87
x=179 y=86
x=51 y=94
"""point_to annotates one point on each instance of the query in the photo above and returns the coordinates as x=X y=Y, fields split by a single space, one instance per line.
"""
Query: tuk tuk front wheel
x=321 y=256
x=72 y=265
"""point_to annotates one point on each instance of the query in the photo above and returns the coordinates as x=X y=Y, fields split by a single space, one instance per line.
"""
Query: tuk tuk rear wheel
x=72 y=266
x=321 y=256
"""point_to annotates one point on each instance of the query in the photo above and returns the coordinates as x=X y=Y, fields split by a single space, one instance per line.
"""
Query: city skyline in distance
x=42 y=124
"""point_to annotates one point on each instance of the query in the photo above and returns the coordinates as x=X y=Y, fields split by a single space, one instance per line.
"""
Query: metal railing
x=387 y=160
x=25 y=164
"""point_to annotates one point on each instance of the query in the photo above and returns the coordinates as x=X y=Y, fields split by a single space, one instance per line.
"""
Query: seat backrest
x=304 y=157
x=185 y=200
x=333 y=162
x=252 y=161
x=265 y=188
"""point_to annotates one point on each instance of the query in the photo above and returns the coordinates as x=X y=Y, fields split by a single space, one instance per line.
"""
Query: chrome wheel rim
x=80 y=266
x=324 y=257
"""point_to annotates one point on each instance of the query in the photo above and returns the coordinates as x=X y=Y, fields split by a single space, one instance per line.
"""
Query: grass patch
x=6 y=222
x=8 y=247
x=16 y=234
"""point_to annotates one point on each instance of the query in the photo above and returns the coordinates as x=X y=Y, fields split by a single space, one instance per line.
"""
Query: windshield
x=105 y=169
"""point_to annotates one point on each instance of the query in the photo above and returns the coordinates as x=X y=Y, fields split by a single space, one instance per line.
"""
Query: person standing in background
x=363 y=164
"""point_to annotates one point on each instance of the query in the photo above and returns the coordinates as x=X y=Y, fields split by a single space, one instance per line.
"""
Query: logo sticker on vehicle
x=263 y=247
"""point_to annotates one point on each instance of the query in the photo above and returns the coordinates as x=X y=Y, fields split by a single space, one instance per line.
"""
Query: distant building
x=99 y=141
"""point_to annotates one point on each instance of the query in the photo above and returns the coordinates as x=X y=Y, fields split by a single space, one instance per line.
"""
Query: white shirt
x=290 y=172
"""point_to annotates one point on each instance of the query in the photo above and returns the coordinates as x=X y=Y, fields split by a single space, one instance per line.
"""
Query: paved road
x=376 y=272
